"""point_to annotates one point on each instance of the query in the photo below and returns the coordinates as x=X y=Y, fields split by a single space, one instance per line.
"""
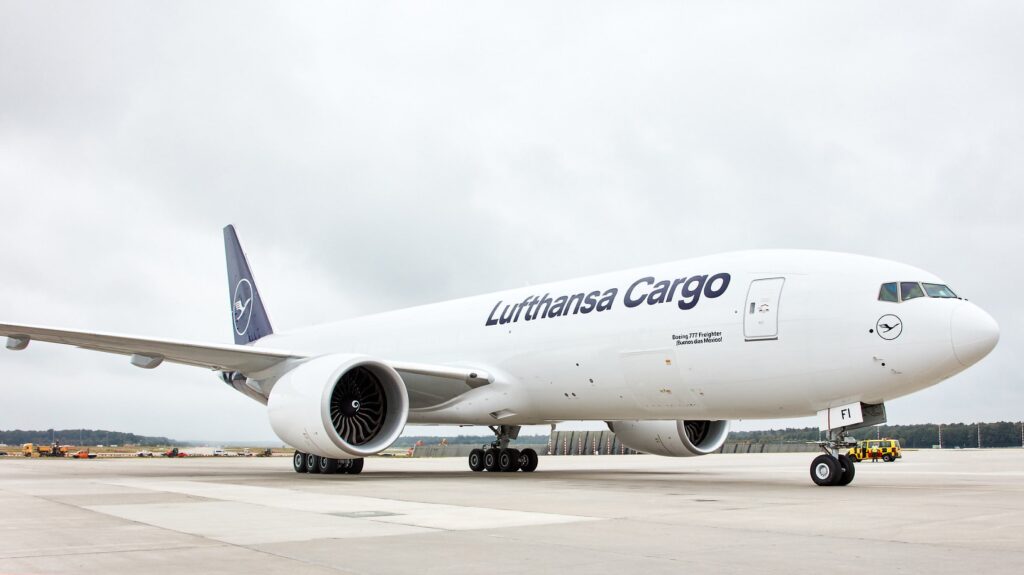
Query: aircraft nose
x=974 y=333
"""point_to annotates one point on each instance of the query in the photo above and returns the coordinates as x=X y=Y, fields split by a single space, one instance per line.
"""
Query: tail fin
x=248 y=315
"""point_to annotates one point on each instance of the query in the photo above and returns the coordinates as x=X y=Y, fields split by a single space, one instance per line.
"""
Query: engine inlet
x=358 y=406
x=697 y=431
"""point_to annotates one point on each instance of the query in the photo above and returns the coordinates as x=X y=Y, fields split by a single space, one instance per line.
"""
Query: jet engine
x=339 y=406
x=672 y=438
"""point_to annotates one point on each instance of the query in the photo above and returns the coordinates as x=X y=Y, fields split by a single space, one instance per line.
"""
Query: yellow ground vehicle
x=873 y=449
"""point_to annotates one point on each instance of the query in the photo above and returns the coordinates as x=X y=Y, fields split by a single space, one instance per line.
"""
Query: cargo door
x=761 y=315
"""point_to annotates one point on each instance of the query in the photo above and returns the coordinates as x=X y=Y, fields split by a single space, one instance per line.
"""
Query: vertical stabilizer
x=249 y=317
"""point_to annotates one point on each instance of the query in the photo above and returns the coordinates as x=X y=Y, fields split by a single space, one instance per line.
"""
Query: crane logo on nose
x=889 y=327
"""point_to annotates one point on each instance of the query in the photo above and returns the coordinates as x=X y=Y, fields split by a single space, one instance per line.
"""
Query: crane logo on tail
x=241 y=308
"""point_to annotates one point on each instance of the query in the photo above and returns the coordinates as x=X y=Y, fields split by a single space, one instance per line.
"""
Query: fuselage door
x=761 y=315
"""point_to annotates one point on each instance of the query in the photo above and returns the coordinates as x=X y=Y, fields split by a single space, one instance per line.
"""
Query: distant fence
x=463 y=450
x=768 y=448
x=602 y=443
x=587 y=443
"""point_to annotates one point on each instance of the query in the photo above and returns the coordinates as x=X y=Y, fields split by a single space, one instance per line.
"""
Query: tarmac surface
x=950 y=511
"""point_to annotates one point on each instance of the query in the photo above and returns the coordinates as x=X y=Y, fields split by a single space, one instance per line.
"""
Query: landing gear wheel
x=508 y=460
x=848 y=470
x=527 y=460
x=825 y=470
x=356 y=466
x=312 y=463
x=328 y=465
x=491 y=459
x=299 y=462
x=476 y=460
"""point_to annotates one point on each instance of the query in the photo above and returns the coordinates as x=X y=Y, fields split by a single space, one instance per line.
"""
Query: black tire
x=825 y=470
x=299 y=462
x=848 y=470
x=491 y=459
x=344 y=465
x=356 y=467
x=888 y=458
x=328 y=465
x=508 y=460
x=476 y=460
x=312 y=463
x=528 y=460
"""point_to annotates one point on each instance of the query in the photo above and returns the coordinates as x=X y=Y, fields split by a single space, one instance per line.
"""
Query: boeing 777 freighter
x=665 y=354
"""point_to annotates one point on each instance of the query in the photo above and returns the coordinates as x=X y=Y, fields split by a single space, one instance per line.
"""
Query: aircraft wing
x=211 y=356
x=150 y=352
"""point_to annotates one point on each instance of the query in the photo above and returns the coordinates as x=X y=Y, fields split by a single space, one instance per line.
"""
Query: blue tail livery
x=249 y=317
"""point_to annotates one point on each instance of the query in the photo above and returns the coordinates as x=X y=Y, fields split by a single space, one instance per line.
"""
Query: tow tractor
x=886 y=449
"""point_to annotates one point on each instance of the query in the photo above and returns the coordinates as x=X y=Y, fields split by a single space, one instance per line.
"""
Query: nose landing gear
x=500 y=457
x=833 y=467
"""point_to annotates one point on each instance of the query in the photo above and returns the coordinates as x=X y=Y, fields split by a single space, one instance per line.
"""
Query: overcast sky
x=379 y=155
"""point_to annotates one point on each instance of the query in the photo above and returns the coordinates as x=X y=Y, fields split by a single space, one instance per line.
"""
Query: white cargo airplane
x=666 y=354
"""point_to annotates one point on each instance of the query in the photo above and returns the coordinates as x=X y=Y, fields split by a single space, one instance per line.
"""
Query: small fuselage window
x=903 y=291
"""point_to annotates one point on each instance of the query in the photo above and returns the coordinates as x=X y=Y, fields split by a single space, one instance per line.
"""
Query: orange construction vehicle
x=55 y=449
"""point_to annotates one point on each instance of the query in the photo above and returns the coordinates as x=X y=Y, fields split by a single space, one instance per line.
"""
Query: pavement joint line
x=148 y=549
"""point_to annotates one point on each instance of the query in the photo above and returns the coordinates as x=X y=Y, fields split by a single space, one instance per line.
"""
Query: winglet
x=249 y=317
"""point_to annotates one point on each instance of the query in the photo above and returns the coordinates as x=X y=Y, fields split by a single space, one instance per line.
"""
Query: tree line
x=918 y=436
x=82 y=437
x=924 y=435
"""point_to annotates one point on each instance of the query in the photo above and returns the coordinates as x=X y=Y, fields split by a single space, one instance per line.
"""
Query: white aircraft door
x=761 y=315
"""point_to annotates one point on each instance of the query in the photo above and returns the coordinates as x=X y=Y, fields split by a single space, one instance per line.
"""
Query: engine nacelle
x=339 y=406
x=672 y=438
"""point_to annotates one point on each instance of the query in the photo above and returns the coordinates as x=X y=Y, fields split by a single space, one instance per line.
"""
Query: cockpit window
x=910 y=290
x=888 y=293
x=938 y=290
x=903 y=291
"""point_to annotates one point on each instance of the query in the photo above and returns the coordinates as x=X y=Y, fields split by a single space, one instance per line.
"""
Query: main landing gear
x=500 y=457
x=309 y=463
x=833 y=467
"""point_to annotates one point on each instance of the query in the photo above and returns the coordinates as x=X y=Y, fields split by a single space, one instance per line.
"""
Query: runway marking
x=244 y=515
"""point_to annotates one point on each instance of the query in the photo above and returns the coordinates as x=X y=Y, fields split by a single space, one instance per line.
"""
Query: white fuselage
x=802 y=341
